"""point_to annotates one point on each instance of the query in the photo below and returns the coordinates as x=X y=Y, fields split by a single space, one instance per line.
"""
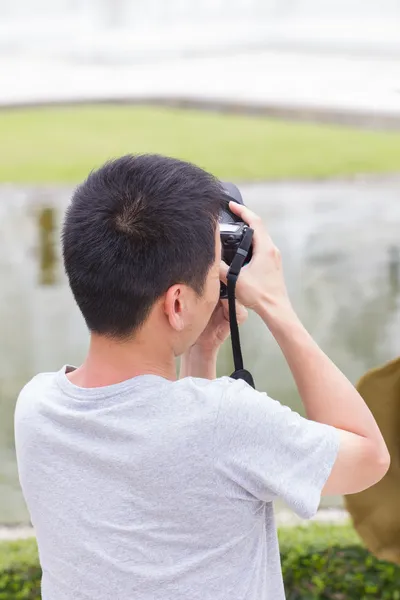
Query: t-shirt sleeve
x=269 y=451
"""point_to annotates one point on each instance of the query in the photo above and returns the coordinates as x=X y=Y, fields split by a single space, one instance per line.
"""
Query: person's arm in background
x=201 y=359
x=327 y=395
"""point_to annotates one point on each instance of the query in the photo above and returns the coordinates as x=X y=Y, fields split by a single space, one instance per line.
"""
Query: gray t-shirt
x=158 y=490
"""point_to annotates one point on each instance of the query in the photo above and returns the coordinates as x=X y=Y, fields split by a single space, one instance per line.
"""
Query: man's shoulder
x=239 y=402
x=219 y=386
x=232 y=396
x=38 y=384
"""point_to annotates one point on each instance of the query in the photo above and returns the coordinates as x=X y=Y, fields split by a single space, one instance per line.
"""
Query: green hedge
x=319 y=563
x=329 y=563
x=19 y=571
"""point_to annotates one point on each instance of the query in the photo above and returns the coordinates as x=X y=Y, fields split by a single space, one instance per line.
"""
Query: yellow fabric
x=376 y=512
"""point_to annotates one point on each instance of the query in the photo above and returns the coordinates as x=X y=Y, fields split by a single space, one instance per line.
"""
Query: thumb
x=241 y=313
x=223 y=271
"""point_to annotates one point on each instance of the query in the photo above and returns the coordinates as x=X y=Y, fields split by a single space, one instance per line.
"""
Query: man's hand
x=201 y=359
x=261 y=285
x=217 y=330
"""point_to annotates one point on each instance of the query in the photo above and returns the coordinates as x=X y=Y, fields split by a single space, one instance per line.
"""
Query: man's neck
x=109 y=362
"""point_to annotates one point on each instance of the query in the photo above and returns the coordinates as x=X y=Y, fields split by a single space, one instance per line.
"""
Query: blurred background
x=297 y=101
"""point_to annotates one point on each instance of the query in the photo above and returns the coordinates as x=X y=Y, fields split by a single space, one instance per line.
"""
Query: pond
x=340 y=245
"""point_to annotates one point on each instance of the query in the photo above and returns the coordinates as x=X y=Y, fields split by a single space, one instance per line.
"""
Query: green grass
x=62 y=144
x=317 y=535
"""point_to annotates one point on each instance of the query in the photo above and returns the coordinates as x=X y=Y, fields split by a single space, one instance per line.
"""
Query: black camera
x=232 y=229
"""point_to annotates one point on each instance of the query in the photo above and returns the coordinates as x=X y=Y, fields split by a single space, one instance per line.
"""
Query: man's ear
x=175 y=306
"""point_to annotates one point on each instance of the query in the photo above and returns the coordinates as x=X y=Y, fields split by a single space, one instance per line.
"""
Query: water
x=341 y=250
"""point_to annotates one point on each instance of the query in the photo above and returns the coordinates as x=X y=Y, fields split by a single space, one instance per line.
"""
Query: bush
x=319 y=562
x=20 y=572
x=329 y=563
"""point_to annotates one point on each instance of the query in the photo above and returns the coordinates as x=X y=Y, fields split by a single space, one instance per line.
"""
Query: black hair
x=136 y=226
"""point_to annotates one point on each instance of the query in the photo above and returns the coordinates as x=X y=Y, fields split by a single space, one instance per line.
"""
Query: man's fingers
x=223 y=272
x=247 y=215
x=241 y=311
x=261 y=239
x=225 y=308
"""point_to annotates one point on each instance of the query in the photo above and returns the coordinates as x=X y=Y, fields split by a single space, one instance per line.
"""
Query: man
x=142 y=486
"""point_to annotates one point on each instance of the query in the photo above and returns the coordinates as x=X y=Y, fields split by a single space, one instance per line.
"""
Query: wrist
x=280 y=317
x=199 y=361
x=203 y=352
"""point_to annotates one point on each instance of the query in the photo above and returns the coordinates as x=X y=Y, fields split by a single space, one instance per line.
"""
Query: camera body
x=232 y=229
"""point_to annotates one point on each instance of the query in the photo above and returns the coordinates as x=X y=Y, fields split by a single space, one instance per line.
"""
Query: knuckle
x=274 y=252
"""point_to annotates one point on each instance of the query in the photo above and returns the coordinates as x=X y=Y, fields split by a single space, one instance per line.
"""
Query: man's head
x=140 y=240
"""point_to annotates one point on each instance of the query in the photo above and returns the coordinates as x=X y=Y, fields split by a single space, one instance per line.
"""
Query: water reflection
x=47 y=245
x=341 y=252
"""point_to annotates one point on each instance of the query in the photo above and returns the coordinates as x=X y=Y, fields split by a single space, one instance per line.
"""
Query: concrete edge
x=348 y=118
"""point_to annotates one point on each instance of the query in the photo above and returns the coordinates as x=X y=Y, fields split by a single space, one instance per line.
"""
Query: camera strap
x=233 y=274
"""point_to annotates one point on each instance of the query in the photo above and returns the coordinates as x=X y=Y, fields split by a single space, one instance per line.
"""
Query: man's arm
x=327 y=395
x=329 y=398
x=201 y=359
x=197 y=362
